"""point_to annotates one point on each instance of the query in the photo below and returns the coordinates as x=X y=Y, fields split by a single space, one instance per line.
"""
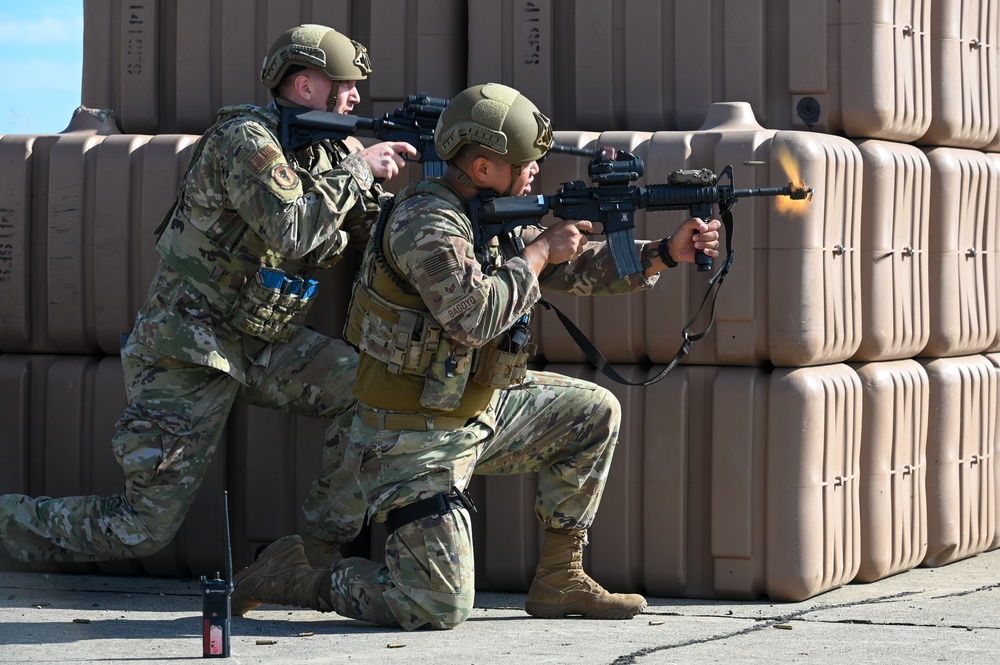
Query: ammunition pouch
x=502 y=369
x=406 y=340
x=271 y=306
x=504 y=362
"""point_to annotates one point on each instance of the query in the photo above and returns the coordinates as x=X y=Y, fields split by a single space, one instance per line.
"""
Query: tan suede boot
x=561 y=588
x=281 y=575
x=322 y=554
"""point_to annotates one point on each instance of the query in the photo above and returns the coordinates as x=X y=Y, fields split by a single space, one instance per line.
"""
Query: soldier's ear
x=482 y=170
x=302 y=85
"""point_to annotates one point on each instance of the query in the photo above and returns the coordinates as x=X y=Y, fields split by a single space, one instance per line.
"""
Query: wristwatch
x=663 y=250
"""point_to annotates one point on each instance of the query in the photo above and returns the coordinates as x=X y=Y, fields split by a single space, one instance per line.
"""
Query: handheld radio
x=216 y=607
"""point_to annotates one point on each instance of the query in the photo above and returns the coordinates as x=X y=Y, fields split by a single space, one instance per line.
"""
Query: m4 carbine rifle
x=414 y=123
x=614 y=200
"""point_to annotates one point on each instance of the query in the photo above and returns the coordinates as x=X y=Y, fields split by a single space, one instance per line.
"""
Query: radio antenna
x=229 y=544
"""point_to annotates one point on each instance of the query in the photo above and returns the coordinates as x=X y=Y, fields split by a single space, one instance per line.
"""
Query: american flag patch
x=264 y=157
x=438 y=266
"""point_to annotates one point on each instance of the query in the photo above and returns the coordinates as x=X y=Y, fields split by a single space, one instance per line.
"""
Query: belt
x=439 y=504
x=420 y=422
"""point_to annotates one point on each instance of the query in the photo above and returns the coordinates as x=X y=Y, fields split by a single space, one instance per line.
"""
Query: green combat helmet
x=319 y=47
x=497 y=118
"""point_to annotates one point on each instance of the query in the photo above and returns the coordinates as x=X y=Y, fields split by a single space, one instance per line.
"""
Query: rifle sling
x=597 y=358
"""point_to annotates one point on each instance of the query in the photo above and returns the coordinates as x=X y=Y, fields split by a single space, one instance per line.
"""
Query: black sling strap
x=714 y=284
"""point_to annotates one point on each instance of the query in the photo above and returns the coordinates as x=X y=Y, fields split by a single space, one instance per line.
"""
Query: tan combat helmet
x=319 y=47
x=497 y=118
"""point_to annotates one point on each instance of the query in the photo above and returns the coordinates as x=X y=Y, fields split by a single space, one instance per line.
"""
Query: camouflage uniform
x=564 y=428
x=243 y=205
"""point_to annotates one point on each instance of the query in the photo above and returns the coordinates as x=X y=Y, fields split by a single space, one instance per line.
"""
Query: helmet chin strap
x=331 y=101
x=464 y=178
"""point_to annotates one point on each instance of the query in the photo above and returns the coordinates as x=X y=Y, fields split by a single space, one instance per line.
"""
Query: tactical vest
x=239 y=277
x=408 y=362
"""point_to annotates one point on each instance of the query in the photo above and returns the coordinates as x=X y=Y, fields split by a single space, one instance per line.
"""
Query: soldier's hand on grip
x=693 y=237
x=386 y=159
x=560 y=242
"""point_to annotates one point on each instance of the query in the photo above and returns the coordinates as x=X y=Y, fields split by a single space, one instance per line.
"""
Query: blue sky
x=41 y=64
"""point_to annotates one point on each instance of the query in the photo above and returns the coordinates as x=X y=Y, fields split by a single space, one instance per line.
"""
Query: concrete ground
x=927 y=615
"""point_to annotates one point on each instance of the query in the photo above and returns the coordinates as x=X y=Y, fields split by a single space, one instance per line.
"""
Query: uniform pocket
x=149 y=432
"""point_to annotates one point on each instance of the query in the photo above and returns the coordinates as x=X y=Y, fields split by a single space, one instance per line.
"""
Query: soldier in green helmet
x=250 y=226
x=443 y=391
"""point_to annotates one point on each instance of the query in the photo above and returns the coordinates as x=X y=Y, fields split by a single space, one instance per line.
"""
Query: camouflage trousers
x=563 y=428
x=165 y=442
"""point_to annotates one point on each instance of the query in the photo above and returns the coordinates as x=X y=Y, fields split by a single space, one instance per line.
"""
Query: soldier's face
x=523 y=175
x=504 y=178
x=347 y=97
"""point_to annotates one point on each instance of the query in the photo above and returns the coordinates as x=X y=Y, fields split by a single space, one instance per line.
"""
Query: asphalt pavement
x=949 y=614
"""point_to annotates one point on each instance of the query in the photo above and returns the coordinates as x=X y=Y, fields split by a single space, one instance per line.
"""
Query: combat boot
x=322 y=554
x=561 y=588
x=281 y=575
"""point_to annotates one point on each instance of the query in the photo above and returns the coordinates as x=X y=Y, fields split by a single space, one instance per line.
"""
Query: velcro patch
x=462 y=306
x=264 y=157
x=284 y=176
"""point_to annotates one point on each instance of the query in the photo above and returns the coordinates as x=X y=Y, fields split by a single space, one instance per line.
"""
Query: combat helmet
x=319 y=47
x=498 y=118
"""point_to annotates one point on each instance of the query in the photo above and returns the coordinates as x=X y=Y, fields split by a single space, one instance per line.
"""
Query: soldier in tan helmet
x=443 y=391
x=250 y=226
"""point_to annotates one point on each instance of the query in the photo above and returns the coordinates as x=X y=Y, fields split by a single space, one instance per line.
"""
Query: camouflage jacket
x=429 y=243
x=244 y=204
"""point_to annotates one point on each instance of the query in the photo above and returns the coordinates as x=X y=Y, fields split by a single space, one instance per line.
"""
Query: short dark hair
x=470 y=152
x=287 y=76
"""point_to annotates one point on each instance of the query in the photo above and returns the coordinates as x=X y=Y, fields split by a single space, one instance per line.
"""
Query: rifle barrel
x=763 y=191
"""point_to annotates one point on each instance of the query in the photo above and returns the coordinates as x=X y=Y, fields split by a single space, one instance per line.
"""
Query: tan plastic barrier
x=511 y=533
x=964 y=42
x=638 y=65
x=792 y=297
x=895 y=211
x=705 y=483
x=893 y=468
x=137 y=182
x=167 y=66
x=852 y=67
x=961 y=447
x=276 y=457
x=50 y=453
x=855 y=67
x=20 y=267
x=994 y=286
x=82 y=254
x=43 y=297
x=728 y=482
x=995 y=359
x=962 y=252
x=814 y=437
x=15 y=417
x=415 y=46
